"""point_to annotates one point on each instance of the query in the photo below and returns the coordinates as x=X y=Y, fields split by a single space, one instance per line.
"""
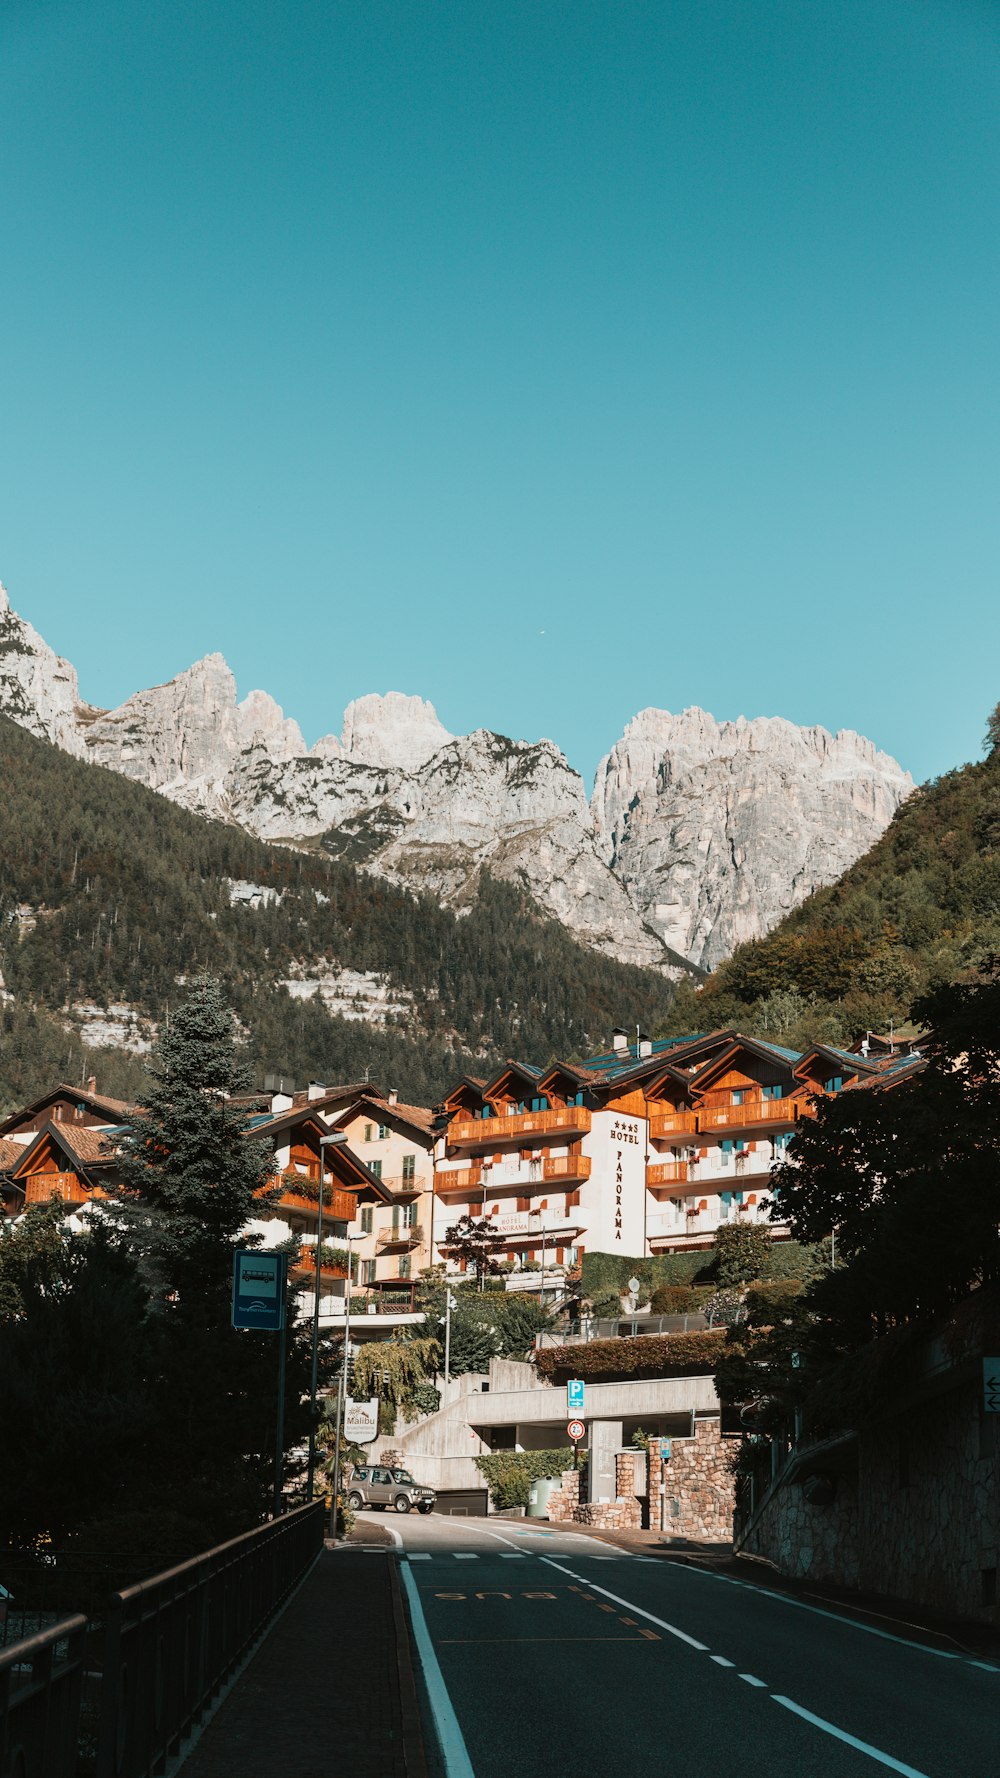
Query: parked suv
x=373 y=1484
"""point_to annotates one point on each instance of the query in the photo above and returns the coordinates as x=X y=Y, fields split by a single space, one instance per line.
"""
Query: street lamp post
x=449 y=1304
x=339 y=1140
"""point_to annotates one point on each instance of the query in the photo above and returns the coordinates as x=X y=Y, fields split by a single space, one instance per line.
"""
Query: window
x=409 y=1168
x=539 y=1104
x=406 y=1216
x=404 y=1265
x=738 y=1094
x=727 y=1151
x=383 y=1131
x=781 y=1143
x=376 y=1168
x=367 y=1271
x=772 y=1092
x=834 y=1084
x=366 y=1219
x=741 y=1146
x=368 y=1132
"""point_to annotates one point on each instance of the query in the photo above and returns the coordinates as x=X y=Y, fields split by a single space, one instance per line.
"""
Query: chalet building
x=392 y=1239
x=651 y=1147
x=61 y=1146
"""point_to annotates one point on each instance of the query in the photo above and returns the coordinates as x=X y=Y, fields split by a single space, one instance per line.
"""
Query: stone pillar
x=605 y=1442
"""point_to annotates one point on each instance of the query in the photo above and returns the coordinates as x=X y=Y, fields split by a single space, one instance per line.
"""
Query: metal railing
x=41 y=1681
x=172 y=1641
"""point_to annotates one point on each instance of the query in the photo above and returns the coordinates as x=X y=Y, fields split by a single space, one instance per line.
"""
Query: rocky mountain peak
x=392 y=729
x=699 y=833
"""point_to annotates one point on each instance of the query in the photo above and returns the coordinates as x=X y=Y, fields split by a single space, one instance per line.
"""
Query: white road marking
x=513 y=1556
x=661 y=1623
x=466 y=1555
x=454 y=1753
x=829 y=1728
x=720 y=1661
x=749 y=1677
x=420 y=1555
x=944 y=1654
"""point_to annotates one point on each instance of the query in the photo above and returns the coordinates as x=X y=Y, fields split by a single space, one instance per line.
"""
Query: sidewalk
x=331 y=1688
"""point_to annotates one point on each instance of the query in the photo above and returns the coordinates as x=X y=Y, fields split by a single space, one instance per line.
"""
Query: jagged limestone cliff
x=698 y=835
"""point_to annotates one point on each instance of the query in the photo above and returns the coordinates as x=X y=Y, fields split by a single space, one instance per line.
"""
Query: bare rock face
x=718 y=829
x=38 y=689
x=699 y=834
x=393 y=730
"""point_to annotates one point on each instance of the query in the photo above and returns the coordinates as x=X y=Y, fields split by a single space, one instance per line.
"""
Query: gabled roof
x=767 y=1052
x=83 y=1147
x=99 y=1103
x=843 y=1059
x=10 y=1153
x=530 y=1077
x=892 y=1070
x=416 y=1117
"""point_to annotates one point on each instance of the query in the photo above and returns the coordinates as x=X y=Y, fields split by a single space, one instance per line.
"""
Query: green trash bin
x=538 y=1498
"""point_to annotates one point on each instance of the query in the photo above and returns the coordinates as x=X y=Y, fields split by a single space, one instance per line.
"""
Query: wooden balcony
x=486 y=1132
x=667 y=1173
x=567 y=1166
x=458 y=1179
x=305 y=1266
x=45 y=1188
x=302 y=1194
x=664 y=1120
x=749 y=1115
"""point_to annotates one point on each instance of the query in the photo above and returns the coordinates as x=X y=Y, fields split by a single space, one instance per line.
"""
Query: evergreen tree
x=192 y=1177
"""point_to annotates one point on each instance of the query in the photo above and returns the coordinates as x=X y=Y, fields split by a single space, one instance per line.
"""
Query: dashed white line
x=661 y=1623
x=829 y=1728
x=752 y=1680
x=720 y=1661
x=466 y=1555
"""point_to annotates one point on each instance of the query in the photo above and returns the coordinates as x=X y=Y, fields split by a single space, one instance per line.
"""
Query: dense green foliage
x=124 y=1389
x=645 y=1356
x=511 y=1473
x=606 y=1273
x=130 y=894
x=917 y=911
x=909 y=1178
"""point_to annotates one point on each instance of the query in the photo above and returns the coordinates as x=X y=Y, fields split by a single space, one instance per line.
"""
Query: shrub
x=674 y=1299
x=509 y=1474
x=645 y=1356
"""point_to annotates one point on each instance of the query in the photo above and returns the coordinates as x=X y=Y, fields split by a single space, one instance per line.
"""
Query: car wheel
x=401 y=1503
x=355 y=1502
x=426 y=1506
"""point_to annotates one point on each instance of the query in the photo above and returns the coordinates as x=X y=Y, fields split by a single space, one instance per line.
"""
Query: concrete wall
x=920 y=1520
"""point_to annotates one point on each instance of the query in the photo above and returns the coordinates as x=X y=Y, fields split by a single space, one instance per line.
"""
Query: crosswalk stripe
x=420 y=1555
x=466 y=1556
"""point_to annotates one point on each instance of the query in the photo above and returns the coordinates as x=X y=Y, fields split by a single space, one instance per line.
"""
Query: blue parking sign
x=259 y=1290
x=574 y=1395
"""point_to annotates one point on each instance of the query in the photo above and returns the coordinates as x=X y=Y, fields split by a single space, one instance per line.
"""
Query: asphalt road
x=549 y=1655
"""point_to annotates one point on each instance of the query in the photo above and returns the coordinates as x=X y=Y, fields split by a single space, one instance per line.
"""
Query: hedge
x=645 y=1356
x=601 y=1272
x=511 y=1473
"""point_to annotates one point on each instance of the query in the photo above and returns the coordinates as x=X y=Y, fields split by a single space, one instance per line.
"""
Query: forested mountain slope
x=110 y=897
x=920 y=908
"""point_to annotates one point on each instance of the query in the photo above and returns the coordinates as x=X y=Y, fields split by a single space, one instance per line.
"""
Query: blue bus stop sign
x=259 y=1290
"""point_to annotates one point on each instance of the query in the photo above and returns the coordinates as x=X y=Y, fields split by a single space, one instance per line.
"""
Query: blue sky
x=547 y=359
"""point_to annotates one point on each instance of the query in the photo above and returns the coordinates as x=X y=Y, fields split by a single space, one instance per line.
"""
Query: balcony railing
x=567 y=1166
x=668 y=1173
x=44 y=1188
x=399 y=1239
x=487 y=1131
x=329 y=1267
x=401 y=1184
x=458 y=1179
x=754 y=1111
x=665 y=1121
x=301 y=1193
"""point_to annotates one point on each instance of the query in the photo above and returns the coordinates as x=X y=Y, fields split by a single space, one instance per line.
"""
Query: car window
x=361 y=1475
x=380 y=1475
x=402 y=1475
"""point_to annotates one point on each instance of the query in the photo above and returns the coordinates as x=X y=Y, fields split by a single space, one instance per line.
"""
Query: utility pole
x=449 y=1304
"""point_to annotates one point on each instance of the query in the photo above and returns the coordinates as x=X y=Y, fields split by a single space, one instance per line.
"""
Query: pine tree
x=192 y=1177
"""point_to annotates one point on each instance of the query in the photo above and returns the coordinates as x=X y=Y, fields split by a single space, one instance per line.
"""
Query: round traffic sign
x=576 y=1430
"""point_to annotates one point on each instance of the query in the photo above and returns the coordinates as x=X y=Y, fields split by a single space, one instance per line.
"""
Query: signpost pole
x=341 y=1398
x=279 y=1435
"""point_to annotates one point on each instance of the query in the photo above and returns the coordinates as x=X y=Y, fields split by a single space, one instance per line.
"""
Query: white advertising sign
x=361 y=1421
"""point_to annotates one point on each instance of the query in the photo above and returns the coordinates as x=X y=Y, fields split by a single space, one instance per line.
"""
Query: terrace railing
x=41 y=1682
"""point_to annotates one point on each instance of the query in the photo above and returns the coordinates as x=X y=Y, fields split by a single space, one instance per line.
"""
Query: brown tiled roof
x=10 y=1153
x=89 y=1145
